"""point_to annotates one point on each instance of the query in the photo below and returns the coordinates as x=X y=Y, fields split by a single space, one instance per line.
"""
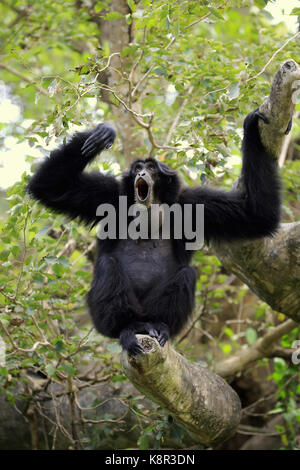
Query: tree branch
x=264 y=347
x=270 y=266
x=199 y=400
x=25 y=78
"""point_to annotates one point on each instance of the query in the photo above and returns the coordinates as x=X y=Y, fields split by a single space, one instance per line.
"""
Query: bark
x=198 y=399
x=270 y=266
x=279 y=106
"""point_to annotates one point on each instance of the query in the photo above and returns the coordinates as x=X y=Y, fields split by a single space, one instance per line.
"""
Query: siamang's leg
x=169 y=306
x=111 y=300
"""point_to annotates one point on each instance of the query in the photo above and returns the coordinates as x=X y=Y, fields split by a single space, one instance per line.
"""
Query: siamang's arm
x=251 y=213
x=60 y=183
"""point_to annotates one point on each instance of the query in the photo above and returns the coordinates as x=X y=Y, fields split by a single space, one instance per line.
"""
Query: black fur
x=147 y=286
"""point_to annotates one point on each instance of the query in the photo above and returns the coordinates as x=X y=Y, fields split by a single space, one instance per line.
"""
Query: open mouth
x=142 y=189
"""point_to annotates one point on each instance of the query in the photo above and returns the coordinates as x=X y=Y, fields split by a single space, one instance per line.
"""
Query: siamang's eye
x=138 y=168
x=150 y=167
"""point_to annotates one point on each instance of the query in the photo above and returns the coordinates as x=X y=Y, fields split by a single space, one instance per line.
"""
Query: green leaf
x=3 y=371
x=295 y=11
x=69 y=369
x=51 y=259
x=59 y=346
x=50 y=370
x=234 y=91
x=63 y=261
x=143 y=442
x=215 y=13
x=113 y=99
x=251 y=335
x=160 y=71
x=42 y=232
x=132 y=5
x=229 y=332
x=119 y=378
x=261 y=3
x=227 y=348
x=114 y=348
x=113 y=15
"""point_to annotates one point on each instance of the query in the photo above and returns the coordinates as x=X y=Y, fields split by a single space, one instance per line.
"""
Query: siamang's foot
x=102 y=137
x=163 y=332
x=129 y=342
x=159 y=331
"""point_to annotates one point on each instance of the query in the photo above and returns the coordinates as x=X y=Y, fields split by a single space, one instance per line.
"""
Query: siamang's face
x=153 y=181
x=146 y=174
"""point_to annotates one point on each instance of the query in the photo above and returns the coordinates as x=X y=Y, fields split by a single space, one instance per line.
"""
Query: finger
x=135 y=349
x=109 y=145
x=88 y=143
x=162 y=339
x=86 y=152
x=262 y=116
x=153 y=332
x=93 y=145
x=95 y=138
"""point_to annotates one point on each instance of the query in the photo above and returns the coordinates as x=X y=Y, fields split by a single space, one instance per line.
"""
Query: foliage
x=198 y=68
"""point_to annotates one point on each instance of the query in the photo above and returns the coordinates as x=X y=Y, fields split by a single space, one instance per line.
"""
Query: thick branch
x=270 y=267
x=25 y=78
x=264 y=347
x=279 y=106
x=199 y=400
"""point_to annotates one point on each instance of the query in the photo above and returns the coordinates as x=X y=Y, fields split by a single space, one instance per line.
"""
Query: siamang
x=147 y=285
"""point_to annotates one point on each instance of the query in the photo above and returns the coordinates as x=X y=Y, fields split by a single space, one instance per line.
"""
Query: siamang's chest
x=146 y=262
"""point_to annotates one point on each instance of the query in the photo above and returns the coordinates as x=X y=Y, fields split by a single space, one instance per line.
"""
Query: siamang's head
x=150 y=181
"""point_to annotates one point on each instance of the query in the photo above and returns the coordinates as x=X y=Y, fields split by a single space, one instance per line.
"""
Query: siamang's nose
x=142 y=173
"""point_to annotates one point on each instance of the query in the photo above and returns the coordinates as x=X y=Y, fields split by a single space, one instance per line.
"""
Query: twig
x=202 y=311
x=286 y=144
x=178 y=115
x=23 y=257
x=273 y=56
x=23 y=77
x=198 y=20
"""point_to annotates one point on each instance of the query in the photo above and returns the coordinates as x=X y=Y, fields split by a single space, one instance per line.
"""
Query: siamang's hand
x=101 y=138
x=252 y=118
